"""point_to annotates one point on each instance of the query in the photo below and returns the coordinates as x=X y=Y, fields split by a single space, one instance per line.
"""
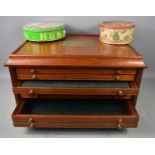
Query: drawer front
x=77 y=70
x=129 y=120
x=75 y=74
x=75 y=77
x=70 y=96
x=34 y=92
x=44 y=124
x=29 y=91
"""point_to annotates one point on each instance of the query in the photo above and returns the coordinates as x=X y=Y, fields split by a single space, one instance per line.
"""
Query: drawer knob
x=33 y=77
x=32 y=93
x=31 y=122
x=117 y=78
x=120 y=121
x=119 y=127
x=119 y=72
x=120 y=92
x=32 y=70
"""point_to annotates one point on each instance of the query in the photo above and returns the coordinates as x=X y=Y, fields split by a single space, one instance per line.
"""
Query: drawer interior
x=75 y=107
x=75 y=113
x=76 y=84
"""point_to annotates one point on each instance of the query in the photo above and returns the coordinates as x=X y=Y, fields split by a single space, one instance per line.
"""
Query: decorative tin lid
x=41 y=27
x=117 y=24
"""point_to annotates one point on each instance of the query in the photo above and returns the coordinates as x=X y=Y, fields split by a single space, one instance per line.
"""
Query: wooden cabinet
x=78 y=82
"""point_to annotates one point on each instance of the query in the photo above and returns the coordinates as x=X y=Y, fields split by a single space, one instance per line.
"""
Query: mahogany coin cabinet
x=78 y=82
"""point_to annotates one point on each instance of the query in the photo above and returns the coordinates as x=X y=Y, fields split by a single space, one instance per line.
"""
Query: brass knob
x=119 y=72
x=117 y=78
x=120 y=121
x=31 y=122
x=120 y=92
x=32 y=70
x=119 y=127
x=31 y=92
x=33 y=77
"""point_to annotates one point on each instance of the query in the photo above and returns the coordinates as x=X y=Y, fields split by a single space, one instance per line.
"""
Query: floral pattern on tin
x=116 y=36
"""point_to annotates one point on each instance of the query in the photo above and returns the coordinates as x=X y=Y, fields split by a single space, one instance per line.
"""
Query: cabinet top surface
x=75 y=51
x=76 y=45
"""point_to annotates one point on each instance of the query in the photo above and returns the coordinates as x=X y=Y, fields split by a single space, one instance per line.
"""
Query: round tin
x=41 y=32
x=117 y=32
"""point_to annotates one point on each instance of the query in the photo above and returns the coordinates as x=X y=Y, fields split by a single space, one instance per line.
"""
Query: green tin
x=41 y=32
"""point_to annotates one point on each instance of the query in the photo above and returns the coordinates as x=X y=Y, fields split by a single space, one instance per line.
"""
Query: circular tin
x=117 y=32
x=41 y=32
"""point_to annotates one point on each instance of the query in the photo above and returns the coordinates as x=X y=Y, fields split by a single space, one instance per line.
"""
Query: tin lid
x=44 y=26
x=117 y=24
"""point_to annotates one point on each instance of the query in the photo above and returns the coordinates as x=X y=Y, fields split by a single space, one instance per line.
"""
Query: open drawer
x=31 y=89
x=75 y=113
